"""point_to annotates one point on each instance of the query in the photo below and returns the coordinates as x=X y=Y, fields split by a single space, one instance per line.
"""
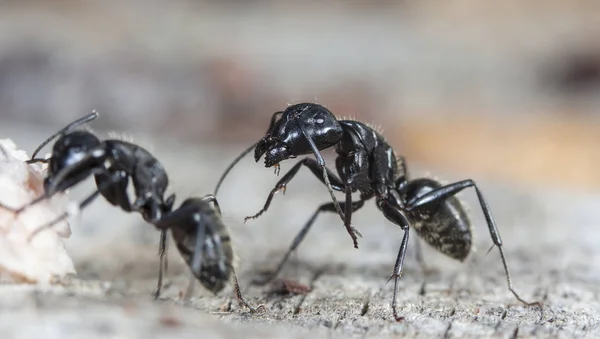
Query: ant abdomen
x=443 y=224
x=217 y=253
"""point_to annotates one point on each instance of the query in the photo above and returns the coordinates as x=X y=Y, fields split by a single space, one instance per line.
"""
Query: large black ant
x=196 y=228
x=368 y=164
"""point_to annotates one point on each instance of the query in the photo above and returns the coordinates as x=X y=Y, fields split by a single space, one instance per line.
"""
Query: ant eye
x=319 y=121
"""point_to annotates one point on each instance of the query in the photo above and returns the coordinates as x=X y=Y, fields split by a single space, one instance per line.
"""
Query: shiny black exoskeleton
x=204 y=243
x=367 y=164
x=78 y=154
x=198 y=232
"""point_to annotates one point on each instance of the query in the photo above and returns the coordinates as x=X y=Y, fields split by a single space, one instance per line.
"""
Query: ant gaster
x=196 y=228
x=367 y=163
x=204 y=243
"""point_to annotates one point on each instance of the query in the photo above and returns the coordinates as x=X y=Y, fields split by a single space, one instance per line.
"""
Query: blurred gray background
x=506 y=94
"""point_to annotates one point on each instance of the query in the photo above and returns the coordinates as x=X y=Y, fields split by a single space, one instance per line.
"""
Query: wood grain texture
x=551 y=241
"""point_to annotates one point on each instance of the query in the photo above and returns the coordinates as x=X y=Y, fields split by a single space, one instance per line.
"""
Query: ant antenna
x=74 y=124
x=233 y=163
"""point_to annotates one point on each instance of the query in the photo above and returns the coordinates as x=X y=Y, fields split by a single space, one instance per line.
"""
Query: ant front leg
x=338 y=185
x=114 y=179
x=327 y=207
x=325 y=175
x=452 y=189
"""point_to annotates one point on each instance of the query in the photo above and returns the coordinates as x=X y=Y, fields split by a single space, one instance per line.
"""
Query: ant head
x=68 y=150
x=286 y=139
x=72 y=147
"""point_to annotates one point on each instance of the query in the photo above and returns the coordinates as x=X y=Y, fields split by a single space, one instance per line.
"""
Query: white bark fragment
x=43 y=258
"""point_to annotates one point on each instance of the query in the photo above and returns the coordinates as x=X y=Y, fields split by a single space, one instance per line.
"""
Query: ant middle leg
x=327 y=207
x=451 y=190
x=281 y=185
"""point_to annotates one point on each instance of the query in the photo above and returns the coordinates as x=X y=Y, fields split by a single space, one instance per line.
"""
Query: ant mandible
x=368 y=164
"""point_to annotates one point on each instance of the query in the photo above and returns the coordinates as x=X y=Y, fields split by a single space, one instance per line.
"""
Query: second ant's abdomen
x=217 y=255
x=448 y=231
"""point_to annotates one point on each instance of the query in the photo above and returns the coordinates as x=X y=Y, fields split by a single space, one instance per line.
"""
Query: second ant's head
x=286 y=139
x=68 y=150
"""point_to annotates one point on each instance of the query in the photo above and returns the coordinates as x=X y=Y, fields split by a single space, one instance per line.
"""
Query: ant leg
x=36 y=160
x=243 y=154
x=452 y=189
x=397 y=217
x=116 y=194
x=82 y=205
x=46 y=226
x=240 y=297
x=163 y=248
x=325 y=175
x=348 y=209
x=327 y=207
x=338 y=185
x=162 y=268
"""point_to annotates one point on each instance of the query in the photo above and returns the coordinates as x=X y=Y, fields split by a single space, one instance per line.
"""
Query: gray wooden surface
x=551 y=241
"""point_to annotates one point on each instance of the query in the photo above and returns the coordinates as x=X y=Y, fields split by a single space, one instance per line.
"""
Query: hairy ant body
x=199 y=234
x=367 y=164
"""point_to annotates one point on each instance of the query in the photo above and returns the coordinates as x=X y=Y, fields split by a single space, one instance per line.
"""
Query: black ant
x=78 y=154
x=368 y=164
x=204 y=243
x=196 y=228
